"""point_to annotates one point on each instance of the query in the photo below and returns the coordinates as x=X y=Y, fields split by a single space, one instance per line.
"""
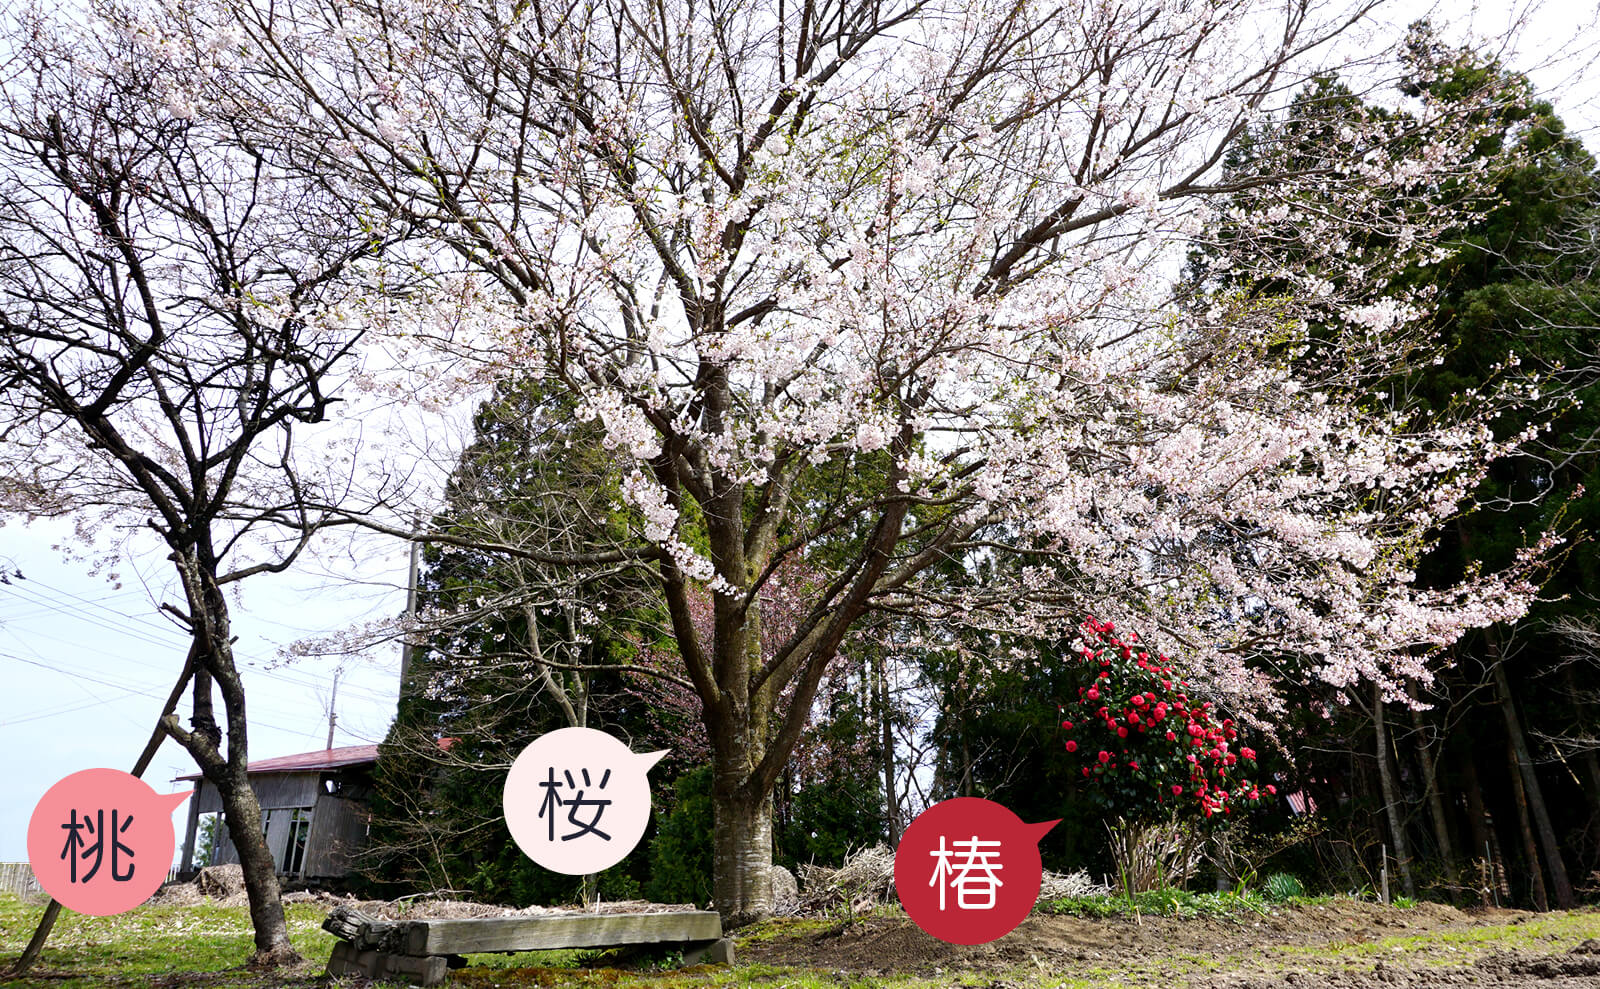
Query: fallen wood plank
x=460 y=937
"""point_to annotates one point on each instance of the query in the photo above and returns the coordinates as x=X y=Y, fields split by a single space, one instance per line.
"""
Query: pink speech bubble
x=967 y=870
x=100 y=841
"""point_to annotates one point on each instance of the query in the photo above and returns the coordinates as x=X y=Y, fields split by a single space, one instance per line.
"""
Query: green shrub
x=1281 y=886
x=680 y=853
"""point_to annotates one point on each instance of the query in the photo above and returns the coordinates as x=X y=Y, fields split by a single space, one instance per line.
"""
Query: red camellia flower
x=1189 y=765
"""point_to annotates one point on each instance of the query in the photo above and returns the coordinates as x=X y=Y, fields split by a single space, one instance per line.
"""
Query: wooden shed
x=314 y=809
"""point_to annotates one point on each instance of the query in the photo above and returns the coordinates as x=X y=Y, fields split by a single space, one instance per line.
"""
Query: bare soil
x=1341 y=945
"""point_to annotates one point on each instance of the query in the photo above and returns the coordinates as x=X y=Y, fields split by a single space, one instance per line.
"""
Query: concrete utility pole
x=333 y=708
x=411 y=613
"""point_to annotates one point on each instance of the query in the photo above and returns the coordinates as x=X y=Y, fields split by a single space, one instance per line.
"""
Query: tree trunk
x=1587 y=757
x=742 y=853
x=243 y=814
x=1534 y=795
x=1391 y=799
x=1530 y=850
x=1477 y=822
x=891 y=802
x=1430 y=783
x=241 y=810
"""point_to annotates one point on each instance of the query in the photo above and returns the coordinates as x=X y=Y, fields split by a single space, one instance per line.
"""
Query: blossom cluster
x=1146 y=744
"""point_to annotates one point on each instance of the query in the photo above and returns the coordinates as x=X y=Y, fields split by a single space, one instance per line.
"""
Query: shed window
x=294 y=852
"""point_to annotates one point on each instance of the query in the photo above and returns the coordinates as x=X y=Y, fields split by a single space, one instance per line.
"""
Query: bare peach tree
x=169 y=334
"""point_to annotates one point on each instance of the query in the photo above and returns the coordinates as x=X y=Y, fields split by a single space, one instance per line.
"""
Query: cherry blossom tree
x=885 y=287
x=168 y=337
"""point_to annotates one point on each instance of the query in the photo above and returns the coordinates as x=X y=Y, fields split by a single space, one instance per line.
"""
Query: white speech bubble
x=577 y=800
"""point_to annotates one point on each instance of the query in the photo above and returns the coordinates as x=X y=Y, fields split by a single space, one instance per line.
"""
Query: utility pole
x=411 y=613
x=333 y=708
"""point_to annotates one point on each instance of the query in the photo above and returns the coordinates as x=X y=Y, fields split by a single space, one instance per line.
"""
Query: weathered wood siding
x=17 y=879
x=206 y=798
x=286 y=789
x=338 y=832
x=274 y=792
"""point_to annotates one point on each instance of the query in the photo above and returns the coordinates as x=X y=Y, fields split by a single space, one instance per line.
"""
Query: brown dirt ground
x=1332 y=946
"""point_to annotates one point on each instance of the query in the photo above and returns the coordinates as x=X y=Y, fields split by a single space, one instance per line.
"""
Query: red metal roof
x=309 y=762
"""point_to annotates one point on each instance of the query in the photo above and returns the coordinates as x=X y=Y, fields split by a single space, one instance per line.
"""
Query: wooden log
x=460 y=937
x=345 y=923
x=364 y=931
x=347 y=959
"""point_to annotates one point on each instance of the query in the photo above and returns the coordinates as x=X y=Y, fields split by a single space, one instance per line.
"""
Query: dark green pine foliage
x=535 y=476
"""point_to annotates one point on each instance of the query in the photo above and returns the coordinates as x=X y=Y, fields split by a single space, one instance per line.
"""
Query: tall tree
x=164 y=346
x=508 y=647
x=767 y=244
x=1514 y=286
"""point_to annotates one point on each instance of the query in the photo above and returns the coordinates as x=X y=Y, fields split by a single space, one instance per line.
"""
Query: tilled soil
x=1340 y=945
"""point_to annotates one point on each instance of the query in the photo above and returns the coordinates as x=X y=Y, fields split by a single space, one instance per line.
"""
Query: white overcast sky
x=85 y=666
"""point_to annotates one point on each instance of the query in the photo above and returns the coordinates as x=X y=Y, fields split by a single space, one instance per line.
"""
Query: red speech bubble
x=100 y=841
x=968 y=871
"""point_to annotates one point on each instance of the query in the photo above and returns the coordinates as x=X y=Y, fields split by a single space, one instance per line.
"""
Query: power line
x=77 y=675
x=143 y=636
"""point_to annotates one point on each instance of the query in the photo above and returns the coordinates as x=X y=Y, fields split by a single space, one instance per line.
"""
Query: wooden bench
x=424 y=951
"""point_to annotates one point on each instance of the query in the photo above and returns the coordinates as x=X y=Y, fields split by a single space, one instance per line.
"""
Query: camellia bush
x=1149 y=749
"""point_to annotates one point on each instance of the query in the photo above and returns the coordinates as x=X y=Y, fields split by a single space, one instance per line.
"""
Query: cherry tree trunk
x=741 y=851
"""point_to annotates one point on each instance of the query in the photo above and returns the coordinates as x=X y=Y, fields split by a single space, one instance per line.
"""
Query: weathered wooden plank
x=460 y=937
x=338 y=831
